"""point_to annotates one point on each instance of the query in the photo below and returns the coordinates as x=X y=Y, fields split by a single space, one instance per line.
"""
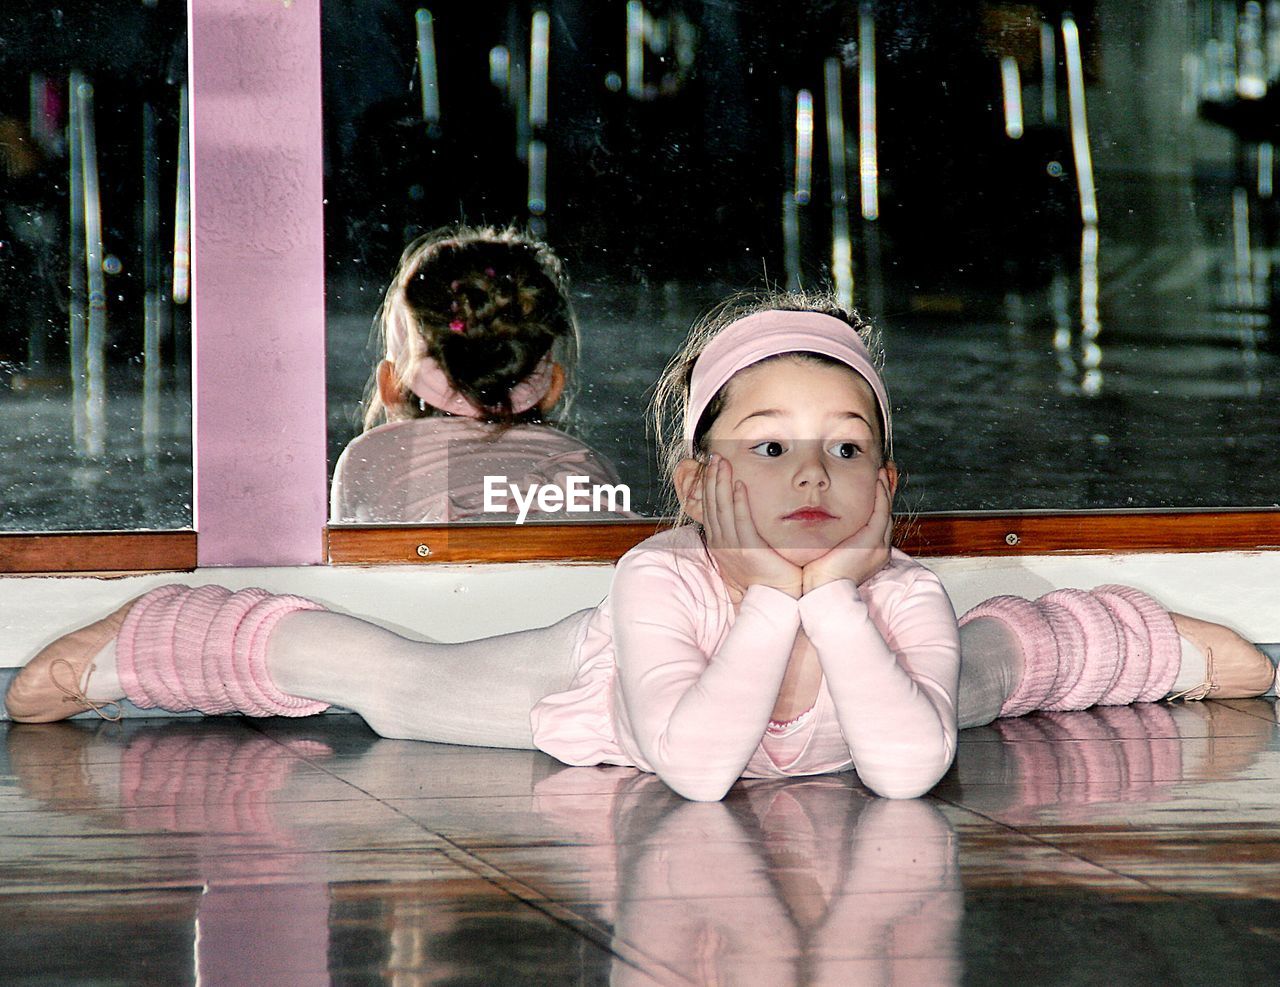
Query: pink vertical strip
x=258 y=276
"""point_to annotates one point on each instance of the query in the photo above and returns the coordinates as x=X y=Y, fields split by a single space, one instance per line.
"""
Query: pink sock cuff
x=1136 y=652
x=251 y=657
x=1039 y=650
x=1101 y=647
x=1163 y=640
x=146 y=632
x=1069 y=636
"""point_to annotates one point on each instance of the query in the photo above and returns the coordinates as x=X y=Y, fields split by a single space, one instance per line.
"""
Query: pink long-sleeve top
x=433 y=469
x=673 y=679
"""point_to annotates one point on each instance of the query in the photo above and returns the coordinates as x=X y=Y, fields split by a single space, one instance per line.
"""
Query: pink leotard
x=671 y=680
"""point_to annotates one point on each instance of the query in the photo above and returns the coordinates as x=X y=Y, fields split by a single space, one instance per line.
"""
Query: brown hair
x=508 y=293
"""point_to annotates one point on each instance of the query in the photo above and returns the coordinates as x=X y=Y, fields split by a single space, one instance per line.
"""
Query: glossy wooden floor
x=1137 y=845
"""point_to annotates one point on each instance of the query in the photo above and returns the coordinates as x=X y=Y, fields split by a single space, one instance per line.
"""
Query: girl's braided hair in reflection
x=473 y=322
x=671 y=396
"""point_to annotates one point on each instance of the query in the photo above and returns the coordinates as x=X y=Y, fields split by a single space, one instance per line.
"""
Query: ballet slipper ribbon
x=74 y=694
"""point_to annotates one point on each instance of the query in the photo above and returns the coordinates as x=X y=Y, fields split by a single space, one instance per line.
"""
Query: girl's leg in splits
x=215 y=651
x=474 y=692
x=1111 y=646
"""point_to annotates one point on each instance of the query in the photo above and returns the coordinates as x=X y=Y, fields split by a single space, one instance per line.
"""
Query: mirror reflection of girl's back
x=480 y=340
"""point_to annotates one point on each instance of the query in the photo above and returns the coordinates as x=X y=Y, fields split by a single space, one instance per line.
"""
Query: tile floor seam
x=1053 y=846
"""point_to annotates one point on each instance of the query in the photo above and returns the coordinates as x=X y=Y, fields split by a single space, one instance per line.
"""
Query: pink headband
x=765 y=334
x=431 y=384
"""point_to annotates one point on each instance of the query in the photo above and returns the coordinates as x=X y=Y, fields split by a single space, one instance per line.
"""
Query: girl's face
x=803 y=437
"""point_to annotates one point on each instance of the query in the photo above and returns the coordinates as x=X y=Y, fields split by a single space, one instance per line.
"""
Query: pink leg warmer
x=1110 y=647
x=206 y=649
x=1039 y=651
x=1100 y=640
x=1161 y=637
x=1070 y=639
x=1135 y=651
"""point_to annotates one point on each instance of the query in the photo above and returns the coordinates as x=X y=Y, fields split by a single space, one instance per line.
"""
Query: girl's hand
x=862 y=554
x=740 y=554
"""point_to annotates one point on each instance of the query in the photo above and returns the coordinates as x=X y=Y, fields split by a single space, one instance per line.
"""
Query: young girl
x=479 y=337
x=777 y=634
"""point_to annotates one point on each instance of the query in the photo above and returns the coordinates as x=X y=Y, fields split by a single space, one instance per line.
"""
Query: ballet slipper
x=1236 y=669
x=51 y=685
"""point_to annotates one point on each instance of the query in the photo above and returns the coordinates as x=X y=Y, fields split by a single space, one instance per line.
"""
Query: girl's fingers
x=725 y=506
x=718 y=504
x=744 y=525
x=710 y=515
x=884 y=508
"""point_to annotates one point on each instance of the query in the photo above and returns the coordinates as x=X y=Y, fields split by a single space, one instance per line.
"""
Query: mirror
x=94 y=266
x=1064 y=224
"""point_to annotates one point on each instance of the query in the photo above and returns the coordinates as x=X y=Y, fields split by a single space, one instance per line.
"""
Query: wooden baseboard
x=929 y=535
x=98 y=552
x=933 y=535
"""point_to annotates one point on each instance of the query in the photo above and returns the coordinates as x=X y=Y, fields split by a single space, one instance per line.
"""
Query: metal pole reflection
x=500 y=68
x=791 y=197
x=1079 y=121
x=635 y=49
x=804 y=146
x=539 y=56
x=1011 y=84
x=1059 y=307
x=869 y=171
x=1090 y=321
x=841 y=247
x=1242 y=249
x=182 y=209
x=76 y=271
x=1048 y=74
x=96 y=339
x=427 y=70
x=1251 y=82
x=537 y=177
x=540 y=37
x=152 y=311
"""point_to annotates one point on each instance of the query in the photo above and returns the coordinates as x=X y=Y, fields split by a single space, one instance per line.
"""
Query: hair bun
x=488 y=306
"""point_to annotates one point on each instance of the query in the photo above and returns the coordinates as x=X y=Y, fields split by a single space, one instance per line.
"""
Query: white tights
x=480 y=692
x=475 y=692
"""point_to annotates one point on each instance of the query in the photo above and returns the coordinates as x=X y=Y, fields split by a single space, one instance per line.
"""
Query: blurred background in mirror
x=1064 y=222
x=95 y=408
